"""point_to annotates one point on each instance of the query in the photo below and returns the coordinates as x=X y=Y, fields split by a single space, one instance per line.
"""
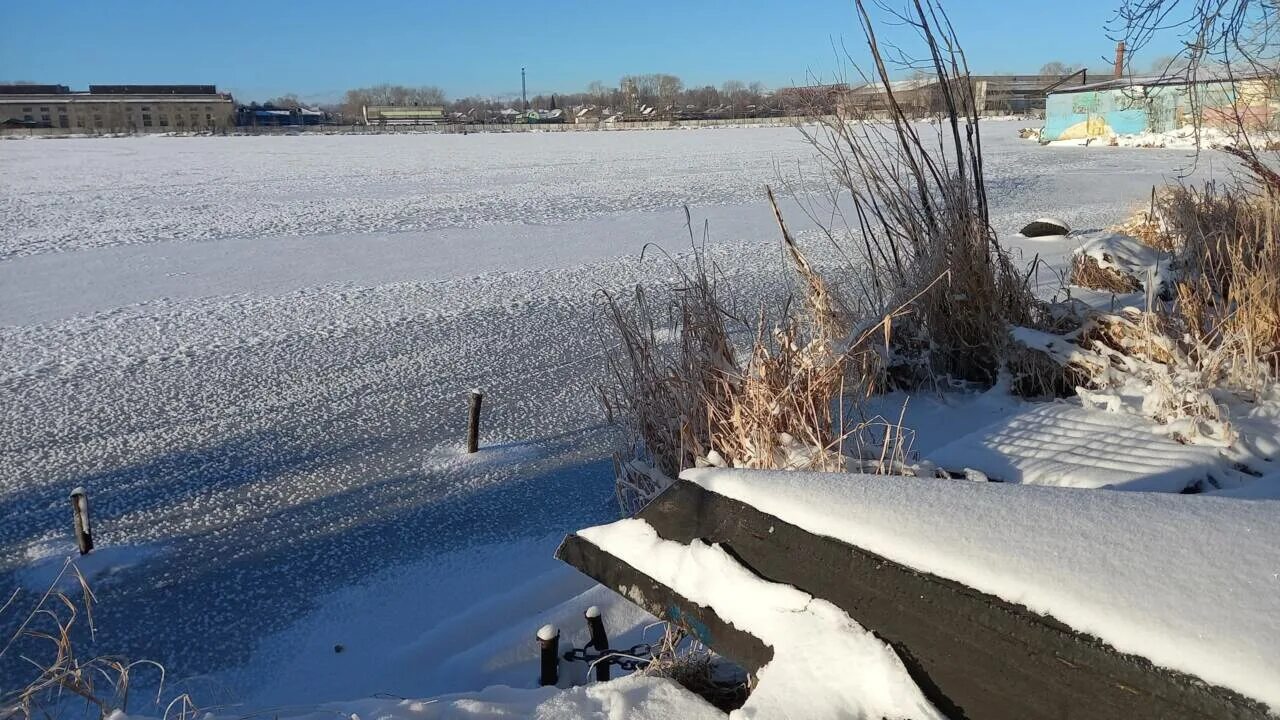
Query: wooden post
x=80 y=513
x=599 y=640
x=549 y=650
x=473 y=423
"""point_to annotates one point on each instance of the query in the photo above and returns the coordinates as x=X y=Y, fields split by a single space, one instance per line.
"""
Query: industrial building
x=992 y=94
x=116 y=108
x=1156 y=104
x=403 y=114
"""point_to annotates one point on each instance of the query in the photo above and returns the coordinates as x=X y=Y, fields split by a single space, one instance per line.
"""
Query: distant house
x=991 y=94
x=1131 y=105
x=544 y=116
x=587 y=114
x=403 y=114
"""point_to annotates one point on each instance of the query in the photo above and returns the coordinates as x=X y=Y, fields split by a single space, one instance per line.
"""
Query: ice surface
x=808 y=635
x=1191 y=582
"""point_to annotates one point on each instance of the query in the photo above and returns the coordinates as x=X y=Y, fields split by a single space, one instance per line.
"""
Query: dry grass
x=1228 y=296
x=63 y=680
x=1219 y=334
x=691 y=402
x=1088 y=273
x=688 y=662
x=911 y=208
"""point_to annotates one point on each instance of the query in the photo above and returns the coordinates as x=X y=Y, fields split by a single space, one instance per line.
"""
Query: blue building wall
x=1158 y=108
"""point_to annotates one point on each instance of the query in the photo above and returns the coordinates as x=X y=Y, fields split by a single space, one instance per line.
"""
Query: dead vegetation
x=64 y=683
x=680 y=657
x=927 y=302
x=1087 y=272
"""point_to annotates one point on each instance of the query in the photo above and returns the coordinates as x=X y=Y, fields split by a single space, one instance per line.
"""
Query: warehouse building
x=56 y=109
x=403 y=114
x=1157 y=104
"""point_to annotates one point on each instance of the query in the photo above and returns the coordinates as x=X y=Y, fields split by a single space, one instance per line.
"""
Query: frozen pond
x=255 y=351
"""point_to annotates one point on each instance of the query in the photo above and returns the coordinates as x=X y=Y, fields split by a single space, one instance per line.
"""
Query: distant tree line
x=633 y=92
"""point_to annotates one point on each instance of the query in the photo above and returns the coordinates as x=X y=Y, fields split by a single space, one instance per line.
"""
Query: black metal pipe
x=599 y=640
x=549 y=648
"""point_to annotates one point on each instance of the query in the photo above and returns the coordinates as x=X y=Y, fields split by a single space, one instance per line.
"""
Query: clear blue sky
x=319 y=48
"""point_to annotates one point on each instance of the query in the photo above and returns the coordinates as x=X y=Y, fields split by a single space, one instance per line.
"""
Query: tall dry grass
x=909 y=200
x=1228 y=293
x=64 y=683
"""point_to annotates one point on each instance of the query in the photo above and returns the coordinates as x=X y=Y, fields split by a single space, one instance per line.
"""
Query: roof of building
x=31 y=89
x=1200 y=76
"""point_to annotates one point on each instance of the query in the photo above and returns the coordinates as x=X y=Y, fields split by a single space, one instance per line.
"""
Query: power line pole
x=524 y=95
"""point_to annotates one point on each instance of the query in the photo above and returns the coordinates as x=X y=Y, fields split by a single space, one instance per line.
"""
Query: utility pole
x=524 y=95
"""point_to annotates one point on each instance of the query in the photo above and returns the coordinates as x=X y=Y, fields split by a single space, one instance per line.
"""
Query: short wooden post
x=80 y=513
x=599 y=640
x=549 y=649
x=473 y=422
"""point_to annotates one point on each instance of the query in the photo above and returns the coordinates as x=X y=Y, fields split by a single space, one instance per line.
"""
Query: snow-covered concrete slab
x=811 y=638
x=1190 y=582
x=1070 y=446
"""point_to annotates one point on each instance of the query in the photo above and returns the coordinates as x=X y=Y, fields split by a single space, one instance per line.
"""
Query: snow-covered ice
x=1191 y=582
x=255 y=354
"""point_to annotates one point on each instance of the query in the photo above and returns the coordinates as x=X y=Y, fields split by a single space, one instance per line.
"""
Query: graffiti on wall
x=1252 y=104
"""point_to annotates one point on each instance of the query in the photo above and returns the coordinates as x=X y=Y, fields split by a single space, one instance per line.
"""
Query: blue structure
x=1128 y=106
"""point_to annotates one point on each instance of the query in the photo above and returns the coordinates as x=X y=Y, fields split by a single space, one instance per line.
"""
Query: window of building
x=195 y=120
x=146 y=120
x=27 y=118
x=146 y=108
x=62 y=109
x=62 y=121
x=177 y=120
x=26 y=110
x=164 y=121
x=44 y=109
x=208 y=118
x=44 y=117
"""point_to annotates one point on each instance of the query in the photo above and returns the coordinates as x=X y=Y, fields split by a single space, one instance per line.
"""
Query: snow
x=629 y=698
x=547 y=632
x=1128 y=256
x=808 y=635
x=1067 y=445
x=255 y=354
x=1184 y=138
x=1190 y=582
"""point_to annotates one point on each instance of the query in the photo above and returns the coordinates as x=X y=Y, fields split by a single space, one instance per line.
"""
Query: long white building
x=116 y=108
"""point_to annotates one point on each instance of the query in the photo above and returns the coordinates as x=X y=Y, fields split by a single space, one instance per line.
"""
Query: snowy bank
x=1190 y=582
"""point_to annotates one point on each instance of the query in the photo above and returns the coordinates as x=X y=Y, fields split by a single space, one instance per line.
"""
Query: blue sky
x=319 y=48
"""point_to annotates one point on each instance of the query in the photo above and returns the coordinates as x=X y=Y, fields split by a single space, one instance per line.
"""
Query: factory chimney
x=1120 y=59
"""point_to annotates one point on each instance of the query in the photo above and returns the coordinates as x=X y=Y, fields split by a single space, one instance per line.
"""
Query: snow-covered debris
x=1070 y=446
x=1045 y=227
x=1128 y=257
x=809 y=636
x=1190 y=582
